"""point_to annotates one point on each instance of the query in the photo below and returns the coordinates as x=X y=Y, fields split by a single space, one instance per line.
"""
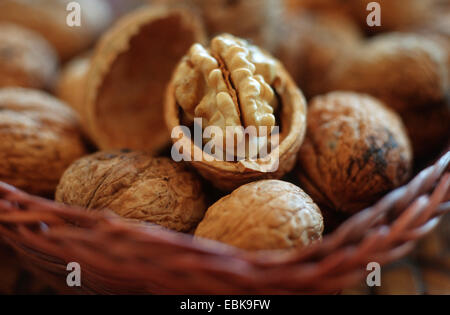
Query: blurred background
x=325 y=44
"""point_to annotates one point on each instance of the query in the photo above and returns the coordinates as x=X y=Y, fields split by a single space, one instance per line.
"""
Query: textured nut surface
x=313 y=43
x=264 y=84
x=404 y=71
x=268 y=214
x=355 y=150
x=26 y=59
x=256 y=20
x=40 y=137
x=49 y=18
x=135 y=185
x=228 y=81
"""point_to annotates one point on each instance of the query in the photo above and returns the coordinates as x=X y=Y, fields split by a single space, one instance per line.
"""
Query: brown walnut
x=49 y=18
x=137 y=186
x=40 y=137
x=269 y=214
x=355 y=151
x=26 y=58
x=405 y=71
x=233 y=86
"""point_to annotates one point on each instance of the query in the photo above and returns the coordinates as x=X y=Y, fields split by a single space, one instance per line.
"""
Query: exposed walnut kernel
x=356 y=150
x=135 y=185
x=230 y=79
x=268 y=214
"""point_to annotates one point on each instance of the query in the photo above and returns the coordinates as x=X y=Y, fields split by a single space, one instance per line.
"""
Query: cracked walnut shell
x=40 y=137
x=26 y=59
x=128 y=74
x=232 y=84
x=137 y=186
x=264 y=215
x=356 y=150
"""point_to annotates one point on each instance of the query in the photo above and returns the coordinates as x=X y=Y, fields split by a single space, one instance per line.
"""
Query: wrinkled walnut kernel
x=355 y=151
x=268 y=214
x=135 y=185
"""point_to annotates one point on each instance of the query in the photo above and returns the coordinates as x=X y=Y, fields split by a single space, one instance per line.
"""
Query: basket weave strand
x=124 y=257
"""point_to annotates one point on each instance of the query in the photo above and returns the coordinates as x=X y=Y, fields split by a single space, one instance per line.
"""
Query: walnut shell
x=429 y=130
x=405 y=71
x=71 y=85
x=135 y=185
x=264 y=215
x=128 y=73
x=355 y=151
x=395 y=14
x=40 y=137
x=49 y=18
x=26 y=59
x=258 y=20
x=232 y=84
x=313 y=43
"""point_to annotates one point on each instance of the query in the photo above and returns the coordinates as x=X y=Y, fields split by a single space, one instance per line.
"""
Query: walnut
x=313 y=43
x=264 y=215
x=135 y=185
x=233 y=85
x=49 y=18
x=356 y=150
x=395 y=15
x=259 y=20
x=128 y=73
x=429 y=130
x=40 y=138
x=71 y=85
x=26 y=59
x=405 y=71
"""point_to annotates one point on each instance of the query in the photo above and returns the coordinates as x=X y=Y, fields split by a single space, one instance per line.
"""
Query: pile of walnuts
x=344 y=114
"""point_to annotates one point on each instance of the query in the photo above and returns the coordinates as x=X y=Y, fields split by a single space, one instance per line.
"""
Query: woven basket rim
x=382 y=233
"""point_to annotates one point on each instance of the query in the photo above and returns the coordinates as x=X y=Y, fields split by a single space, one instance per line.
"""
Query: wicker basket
x=122 y=257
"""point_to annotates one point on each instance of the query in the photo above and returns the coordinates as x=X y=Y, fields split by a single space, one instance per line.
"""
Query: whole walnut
x=264 y=215
x=26 y=58
x=256 y=20
x=405 y=71
x=313 y=43
x=356 y=150
x=50 y=19
x=40 y=137
x=137 y=186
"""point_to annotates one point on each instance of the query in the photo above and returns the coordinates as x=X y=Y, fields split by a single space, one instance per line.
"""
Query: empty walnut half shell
x=49 y=18
x=232 y=85
x=127 y=77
